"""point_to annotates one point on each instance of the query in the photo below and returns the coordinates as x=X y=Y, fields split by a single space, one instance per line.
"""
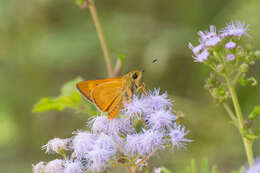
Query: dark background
x=44 y=43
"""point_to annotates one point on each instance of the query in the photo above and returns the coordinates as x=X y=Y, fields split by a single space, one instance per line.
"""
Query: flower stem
x=103 y=44
x=247 y=143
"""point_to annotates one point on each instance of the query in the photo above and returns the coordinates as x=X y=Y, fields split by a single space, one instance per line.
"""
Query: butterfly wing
x=86 y=87
x=108 y=95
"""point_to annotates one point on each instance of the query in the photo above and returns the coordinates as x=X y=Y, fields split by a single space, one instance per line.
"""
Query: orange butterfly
x=109 y=95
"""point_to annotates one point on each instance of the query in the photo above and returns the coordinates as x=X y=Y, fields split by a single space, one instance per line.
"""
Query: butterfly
x=109 y=95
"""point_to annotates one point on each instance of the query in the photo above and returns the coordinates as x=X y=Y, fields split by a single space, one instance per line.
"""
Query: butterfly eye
x=134 y=76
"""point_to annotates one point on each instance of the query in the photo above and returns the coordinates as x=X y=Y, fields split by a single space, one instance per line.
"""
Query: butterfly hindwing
x=86 y=87
x=107 y=95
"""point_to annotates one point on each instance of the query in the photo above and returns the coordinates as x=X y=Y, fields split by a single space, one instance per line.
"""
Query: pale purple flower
x=56 y=144
x=83 y=142
x=230 y=45
x=255 y=168
x=73 y=167
x=203 y=56
x=97 y=159
x=230 y=57
x=177 y=136
x=144 y=164
x=106 y=142
x=99 y=124
x=154 y=101
x=160 y=119
x=39 y=167
x=144 y=143
x=197 y=49
x=113 y=126
x=233 y=29
x=209 y=38
x=135 y=107
x=54 y=166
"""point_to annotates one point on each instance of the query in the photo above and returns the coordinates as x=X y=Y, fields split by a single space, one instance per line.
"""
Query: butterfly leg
x=142 y=88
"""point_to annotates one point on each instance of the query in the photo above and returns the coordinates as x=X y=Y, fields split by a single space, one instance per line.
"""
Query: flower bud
x=220 y=68
x=244 y=67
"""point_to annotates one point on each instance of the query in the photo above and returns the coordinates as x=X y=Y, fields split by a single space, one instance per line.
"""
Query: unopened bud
x=220 y=68
x=244 y=67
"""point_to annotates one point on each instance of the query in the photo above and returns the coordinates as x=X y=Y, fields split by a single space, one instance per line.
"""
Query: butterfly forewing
x=107 y=94
x=86 y=87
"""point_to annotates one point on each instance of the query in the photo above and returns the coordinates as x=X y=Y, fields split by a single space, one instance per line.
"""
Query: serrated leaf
x=255 y=113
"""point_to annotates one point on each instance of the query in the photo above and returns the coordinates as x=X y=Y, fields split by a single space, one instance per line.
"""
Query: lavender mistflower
x=230 y=45
x=73 y=167
x=209 y=38
x=203 y=56
x=99 y=124
x=97 y=159
x=114 y=126
x=255 y=168
x=154 y=101
x=230 y=57
x=106 y=142
x=56 y=144
x=39 y=167
x=135 y=107
x=178 y=136
x=54 y=166
x=197 y=49
x=83 y=142
x=160 y=119
x=145 y=143
x=233 y=29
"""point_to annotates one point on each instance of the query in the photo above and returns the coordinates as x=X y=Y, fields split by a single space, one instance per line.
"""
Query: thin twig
x=230 y=112
x=93 y=12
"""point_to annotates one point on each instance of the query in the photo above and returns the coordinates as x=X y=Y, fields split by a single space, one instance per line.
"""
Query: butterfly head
x=134 y=76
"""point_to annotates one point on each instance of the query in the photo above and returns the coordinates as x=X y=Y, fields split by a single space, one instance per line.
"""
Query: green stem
x=247 y=143
x=93 y=11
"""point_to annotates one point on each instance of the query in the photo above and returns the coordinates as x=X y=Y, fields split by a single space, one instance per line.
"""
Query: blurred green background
x=45 y=43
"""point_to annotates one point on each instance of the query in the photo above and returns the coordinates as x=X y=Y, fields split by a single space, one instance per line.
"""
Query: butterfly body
x=109 y=95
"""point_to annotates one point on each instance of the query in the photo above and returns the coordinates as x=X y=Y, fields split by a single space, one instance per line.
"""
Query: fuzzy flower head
x=160 y=119
x=255 y=168
x=209 y=38
x=56 y=145
x=237 y=29
x=135 y=107
x=177 y=136
x=156 y=101
x=83 y=142
x=230 y=45
x=55 y=166
x=145 y=143
x=203 y=56
x=39 y=167
x=73 y=167
x=197 y=49
x=230 y=57
x=115 y=126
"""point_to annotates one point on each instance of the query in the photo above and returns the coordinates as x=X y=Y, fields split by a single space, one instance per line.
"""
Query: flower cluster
x=211 y=40
x=147 y=124
x=226 y=55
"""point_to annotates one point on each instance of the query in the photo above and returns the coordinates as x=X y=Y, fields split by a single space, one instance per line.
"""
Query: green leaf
x=69 y=98
x=255 y=113
x=121 y=57
x=244 y=82
x=81 y=3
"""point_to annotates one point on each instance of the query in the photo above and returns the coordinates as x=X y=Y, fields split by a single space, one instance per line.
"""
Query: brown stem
x=93 y=12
